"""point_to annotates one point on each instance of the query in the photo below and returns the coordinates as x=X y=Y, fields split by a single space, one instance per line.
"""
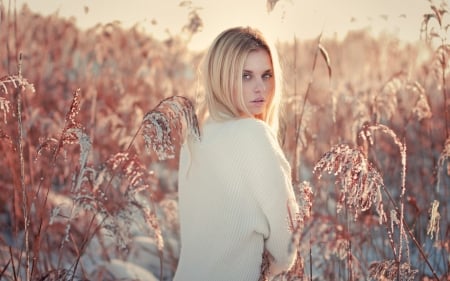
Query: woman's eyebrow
x=251 y=71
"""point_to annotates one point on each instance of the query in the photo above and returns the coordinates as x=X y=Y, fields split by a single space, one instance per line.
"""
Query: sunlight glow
x=304 y=19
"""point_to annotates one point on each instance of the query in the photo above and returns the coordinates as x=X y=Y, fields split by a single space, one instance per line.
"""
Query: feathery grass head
x=16 y=82
x=304 y=194
x=433 y=223
x=385 y=102
x=388 y=270
x=421 y=109
x=7 y=83
x=360 y=183
x=68 y=134
x=138 y=178
x=5 y=106
x=443 y=161
x=173 y=117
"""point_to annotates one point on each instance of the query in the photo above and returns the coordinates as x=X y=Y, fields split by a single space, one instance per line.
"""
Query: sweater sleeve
x=269 y=177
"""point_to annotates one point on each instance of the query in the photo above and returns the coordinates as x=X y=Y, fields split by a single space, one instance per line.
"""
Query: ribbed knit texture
x=234 y=192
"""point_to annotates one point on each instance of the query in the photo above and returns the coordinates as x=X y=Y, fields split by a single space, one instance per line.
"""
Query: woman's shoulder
x=254 y=128
x=244 y=130
x=257 y=139
x=254 y=132
x=251 y=125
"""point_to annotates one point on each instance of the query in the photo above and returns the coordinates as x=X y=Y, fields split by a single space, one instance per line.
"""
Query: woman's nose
x=260 y=86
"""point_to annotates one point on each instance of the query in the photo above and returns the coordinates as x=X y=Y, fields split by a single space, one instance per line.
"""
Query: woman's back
x=234 y=192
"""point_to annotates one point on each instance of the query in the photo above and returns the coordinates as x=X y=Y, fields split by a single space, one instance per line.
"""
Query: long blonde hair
x=222 y=75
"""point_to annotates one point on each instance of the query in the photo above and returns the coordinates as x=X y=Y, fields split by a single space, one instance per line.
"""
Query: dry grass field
x=89 y=138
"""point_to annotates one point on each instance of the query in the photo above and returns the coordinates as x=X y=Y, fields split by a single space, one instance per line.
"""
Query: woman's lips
x=259 y=100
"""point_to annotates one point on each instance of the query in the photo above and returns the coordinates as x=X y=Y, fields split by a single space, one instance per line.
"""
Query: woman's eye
x=267 y=76
x=246 y=76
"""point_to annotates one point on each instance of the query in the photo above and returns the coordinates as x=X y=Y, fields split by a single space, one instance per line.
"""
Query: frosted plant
x=397 y=214
x=421 y=109
x=305 y=197
x=4 y=107
x=360 y=183
x=6 y=83
x=442 y=162
x=116 y=205
x=71 y=133
x=433 y=224
x=169 y=209
x=16 y=81
x=80 y=194
x=137 y=179
x=111 y=196
x=136 y=175
x=68 y=135
x=401 y=95
x=389 y=270
x=385 y=103
x=265 y=264
x=173 y=117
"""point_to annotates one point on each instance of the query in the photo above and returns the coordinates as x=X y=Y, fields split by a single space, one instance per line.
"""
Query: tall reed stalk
x=442 y=51
x=299 y=113
x=404 y=230
x=25 y=200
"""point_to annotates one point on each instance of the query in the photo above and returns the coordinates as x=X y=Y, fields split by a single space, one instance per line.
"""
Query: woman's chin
x=256 y=110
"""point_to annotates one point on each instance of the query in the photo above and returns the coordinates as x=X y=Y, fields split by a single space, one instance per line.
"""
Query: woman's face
x=257 y=81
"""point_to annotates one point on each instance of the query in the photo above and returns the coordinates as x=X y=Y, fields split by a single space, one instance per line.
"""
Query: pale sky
x=304 y=19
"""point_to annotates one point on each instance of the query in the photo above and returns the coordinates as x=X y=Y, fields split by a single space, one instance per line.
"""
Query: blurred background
x=84 y=195
x=282 y=19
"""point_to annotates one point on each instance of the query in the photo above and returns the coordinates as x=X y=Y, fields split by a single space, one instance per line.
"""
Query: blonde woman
x=235 y=192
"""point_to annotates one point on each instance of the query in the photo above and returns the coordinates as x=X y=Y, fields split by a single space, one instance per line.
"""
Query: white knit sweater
x=234 y=194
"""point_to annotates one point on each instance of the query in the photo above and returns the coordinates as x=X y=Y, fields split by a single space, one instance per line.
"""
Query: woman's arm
x=269 y=176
